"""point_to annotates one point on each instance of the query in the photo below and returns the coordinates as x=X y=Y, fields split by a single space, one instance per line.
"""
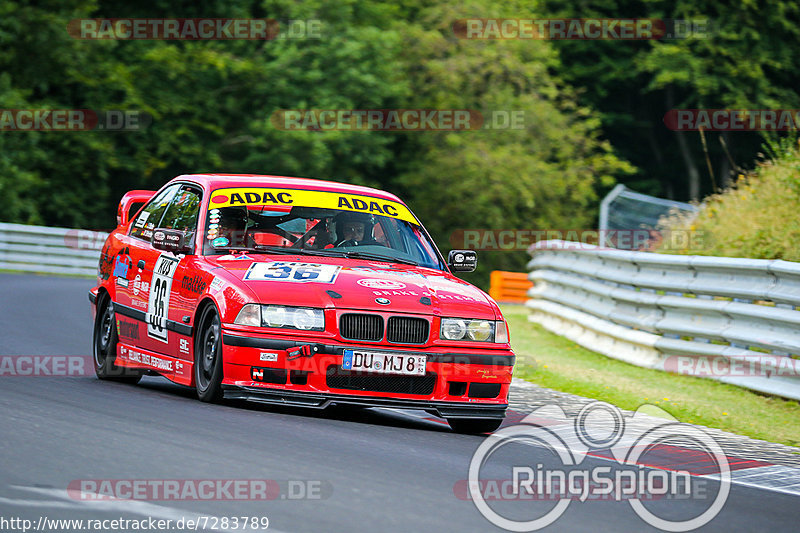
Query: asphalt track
x=378 y=470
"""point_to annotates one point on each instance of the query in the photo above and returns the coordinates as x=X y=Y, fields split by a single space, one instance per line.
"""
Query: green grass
x=558 y=363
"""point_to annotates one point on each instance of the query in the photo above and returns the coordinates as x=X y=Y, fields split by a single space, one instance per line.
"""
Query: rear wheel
x=474 y=426
x=208 y=357
x=104 y=345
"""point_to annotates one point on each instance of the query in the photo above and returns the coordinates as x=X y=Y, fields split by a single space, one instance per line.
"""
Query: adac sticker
x=304 y=198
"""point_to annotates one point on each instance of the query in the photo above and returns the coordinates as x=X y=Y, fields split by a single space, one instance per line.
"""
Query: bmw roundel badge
x=383 y=301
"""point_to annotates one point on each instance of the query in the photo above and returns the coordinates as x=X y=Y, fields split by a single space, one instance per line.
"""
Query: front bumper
x=458 y=383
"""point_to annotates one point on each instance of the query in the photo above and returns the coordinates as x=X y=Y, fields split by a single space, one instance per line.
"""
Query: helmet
x=353 y=228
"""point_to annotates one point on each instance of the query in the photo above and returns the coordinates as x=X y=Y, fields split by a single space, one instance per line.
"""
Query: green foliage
x=758 y=218
x=211 y=103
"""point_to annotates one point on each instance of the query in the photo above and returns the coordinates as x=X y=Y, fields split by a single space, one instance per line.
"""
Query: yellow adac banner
x=304 y=198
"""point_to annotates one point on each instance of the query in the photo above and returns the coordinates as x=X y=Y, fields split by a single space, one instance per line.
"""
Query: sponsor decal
x=320 y=199
x=122 y=282
x=375 y=283
x=136 y=356
x=129 y=330
x=292 y=272
x=219 y=241
x=105 y=265
x=216 y=283
x=268 y=356
x=183 y=346
x=193 y=284
x=141 y=304
x=158 y=303
x=139 y=285
x=122 y=263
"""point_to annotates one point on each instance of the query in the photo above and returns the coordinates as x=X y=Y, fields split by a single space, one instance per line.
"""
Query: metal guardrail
x=48 y=250
x=734 y=320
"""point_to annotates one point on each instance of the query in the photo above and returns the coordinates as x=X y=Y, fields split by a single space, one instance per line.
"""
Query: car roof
x=217 y=181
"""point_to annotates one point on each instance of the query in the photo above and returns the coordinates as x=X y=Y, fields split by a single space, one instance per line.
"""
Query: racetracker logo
x=512 y=240
x=732 y=119
x=396 y=120
x=195 y=29
x=760 y=366
x=561 y=476
x=72 y=120
x=46 y=365
x=617 y=29
x=198 y=489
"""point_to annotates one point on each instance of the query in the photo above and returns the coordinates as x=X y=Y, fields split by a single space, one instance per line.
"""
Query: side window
x=182 y=212
x=150 y=216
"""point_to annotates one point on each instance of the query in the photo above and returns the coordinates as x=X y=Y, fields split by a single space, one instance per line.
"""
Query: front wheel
x=208 y=357
x=474 y=426
x=104 y=346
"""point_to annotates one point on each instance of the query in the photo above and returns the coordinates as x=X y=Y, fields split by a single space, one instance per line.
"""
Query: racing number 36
x=289 y=271
x=158 y=303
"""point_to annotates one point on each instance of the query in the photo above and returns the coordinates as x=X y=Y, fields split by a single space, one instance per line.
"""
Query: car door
x=178 y=285
x=133 y=291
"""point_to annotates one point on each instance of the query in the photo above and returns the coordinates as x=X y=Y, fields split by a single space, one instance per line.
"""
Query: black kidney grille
x=338 y=378
x=361 y=327
x=408 y=330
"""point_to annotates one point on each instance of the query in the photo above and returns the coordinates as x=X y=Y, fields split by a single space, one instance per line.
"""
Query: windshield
x=318 y=231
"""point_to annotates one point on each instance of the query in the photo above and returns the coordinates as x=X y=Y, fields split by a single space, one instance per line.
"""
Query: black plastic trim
x=322 y=400
x=172 y=325
x=278 y=344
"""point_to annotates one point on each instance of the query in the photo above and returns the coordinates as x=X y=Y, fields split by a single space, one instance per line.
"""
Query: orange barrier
x=509 y=287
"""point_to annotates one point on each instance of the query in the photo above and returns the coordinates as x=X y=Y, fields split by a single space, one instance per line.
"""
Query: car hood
x=359 y=284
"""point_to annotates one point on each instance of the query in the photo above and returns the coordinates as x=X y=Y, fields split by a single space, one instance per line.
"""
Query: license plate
x=384 y=363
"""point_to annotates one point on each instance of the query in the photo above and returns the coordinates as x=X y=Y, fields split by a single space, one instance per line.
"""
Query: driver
x=354 y=229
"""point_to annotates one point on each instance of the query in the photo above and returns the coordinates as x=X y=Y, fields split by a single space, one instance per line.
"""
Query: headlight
x=460 y=329
x=279 y=316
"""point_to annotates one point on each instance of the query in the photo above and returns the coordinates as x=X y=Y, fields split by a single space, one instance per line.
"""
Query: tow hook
x=306 y=350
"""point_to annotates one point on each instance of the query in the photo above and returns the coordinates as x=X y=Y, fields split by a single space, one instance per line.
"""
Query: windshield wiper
x=378 y=257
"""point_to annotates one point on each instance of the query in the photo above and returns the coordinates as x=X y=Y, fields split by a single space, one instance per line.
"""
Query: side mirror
x=171 y=240
x=462 y=260
x=130 y=205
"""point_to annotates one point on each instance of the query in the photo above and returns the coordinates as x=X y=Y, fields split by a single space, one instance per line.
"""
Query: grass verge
x=555 y=362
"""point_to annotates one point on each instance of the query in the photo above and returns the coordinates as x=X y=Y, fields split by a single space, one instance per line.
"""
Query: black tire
x=474 y=426
x=208 y=357
x=104 y=346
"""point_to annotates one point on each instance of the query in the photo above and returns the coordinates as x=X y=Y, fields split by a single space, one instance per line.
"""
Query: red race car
x=296 y=292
